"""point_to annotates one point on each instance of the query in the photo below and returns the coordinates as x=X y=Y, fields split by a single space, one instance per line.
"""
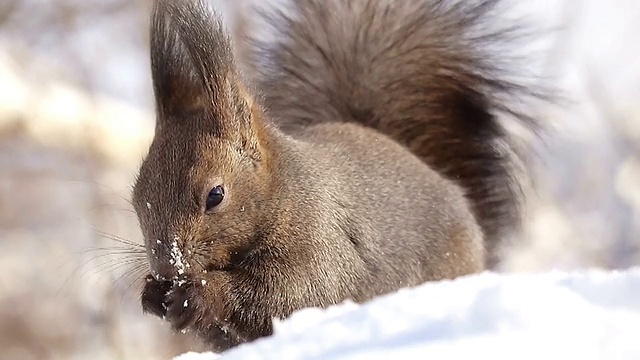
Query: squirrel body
x=361 y=157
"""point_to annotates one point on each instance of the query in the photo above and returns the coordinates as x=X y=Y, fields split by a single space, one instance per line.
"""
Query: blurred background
x=76 y=117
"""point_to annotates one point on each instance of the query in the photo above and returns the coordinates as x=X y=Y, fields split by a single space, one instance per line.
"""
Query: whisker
x=110 y=266
x=101 y=207
x=129 y=257
x=112 y=251
x=118 y=239
x=136 y=273
x=130 y=260
x=133 y=271
x=83 y=264
x=97 y=270
x=135 y=284
x=118 y=254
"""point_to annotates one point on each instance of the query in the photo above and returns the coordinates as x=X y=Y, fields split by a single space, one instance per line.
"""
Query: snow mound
x=590 y=314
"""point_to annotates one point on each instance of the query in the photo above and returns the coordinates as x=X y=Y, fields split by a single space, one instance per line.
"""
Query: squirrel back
x=432 y=75
x=367 y=158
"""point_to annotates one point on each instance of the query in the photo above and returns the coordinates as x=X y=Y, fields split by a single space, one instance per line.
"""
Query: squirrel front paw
x=191 y=306
x=154 y=295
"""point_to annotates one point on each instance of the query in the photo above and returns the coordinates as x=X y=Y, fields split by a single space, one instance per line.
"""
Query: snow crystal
x=149 y=206
x=185 y=303
x=176 y=256
x=203 y=282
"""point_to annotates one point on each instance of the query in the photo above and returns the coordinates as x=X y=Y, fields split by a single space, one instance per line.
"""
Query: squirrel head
x=205 y=183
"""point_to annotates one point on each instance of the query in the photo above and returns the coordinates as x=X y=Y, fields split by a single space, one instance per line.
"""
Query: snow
x=176 y=257
x=197 y=356
x=588 y=314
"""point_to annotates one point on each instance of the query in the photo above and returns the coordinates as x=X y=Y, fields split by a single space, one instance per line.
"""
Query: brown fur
x=374 y=166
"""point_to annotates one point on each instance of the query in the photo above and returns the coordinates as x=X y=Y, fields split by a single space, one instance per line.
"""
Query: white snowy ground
x=579 y=315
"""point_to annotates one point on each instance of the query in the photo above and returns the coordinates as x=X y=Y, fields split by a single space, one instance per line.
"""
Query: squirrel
x=363 y=155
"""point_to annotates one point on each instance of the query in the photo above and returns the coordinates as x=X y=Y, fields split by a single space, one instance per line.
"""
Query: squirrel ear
x=192 y=67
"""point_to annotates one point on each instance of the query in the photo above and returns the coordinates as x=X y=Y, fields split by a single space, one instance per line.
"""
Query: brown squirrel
x=364 y=155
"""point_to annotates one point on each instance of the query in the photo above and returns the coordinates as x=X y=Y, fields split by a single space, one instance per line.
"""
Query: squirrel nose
x=168 y=262
x=162 y=270
x=162 y=264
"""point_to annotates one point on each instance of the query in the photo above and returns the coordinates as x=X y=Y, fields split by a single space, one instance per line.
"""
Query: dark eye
x=215 y=197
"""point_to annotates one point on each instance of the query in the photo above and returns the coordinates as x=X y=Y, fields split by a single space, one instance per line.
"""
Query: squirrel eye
x=215 y=197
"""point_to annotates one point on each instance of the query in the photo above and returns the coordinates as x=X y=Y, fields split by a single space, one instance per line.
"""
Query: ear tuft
x=191 y=58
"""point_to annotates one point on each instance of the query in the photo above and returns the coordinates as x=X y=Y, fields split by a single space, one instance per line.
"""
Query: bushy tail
x=429 y=73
